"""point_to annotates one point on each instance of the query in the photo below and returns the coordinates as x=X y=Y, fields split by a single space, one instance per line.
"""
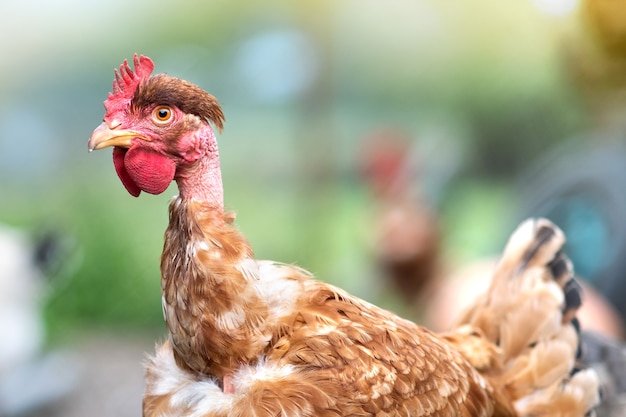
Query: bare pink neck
x=203 y=181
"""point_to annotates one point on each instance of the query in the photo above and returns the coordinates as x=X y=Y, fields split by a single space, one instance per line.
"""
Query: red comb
x=126 y=82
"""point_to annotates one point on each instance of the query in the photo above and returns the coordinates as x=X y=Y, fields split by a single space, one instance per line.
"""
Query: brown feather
x=163 y=89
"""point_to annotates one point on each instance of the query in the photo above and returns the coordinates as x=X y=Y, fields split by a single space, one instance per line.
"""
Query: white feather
x=247 y=376
x=232 y=319
x=201 y=395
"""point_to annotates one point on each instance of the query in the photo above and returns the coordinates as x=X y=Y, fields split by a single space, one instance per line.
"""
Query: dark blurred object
x=29 y=378
x=582 y=190
x=407 y=237
x=608 y=358
x=49 y=248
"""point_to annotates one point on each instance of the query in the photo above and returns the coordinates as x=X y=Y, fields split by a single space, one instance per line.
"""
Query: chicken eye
x=162 y=115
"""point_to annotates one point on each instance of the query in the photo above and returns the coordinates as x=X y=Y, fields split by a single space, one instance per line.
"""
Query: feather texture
x=528 y=312
x=230 y=315
x=271 y=327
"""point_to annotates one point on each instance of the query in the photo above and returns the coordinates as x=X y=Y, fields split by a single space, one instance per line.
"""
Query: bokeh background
x=494 y=110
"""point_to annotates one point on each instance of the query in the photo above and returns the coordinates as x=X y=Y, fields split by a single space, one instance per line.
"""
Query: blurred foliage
x=482 y=88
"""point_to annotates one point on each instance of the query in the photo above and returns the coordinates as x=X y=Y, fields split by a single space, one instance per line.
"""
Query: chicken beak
x=103 y=137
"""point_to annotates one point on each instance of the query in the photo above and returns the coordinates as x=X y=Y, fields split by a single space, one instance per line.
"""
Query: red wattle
x=152 y=172
x=118 y=162
x=142 y=169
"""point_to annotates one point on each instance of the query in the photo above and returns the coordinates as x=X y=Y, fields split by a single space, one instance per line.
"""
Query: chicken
x=260 y=338
x=407 y=234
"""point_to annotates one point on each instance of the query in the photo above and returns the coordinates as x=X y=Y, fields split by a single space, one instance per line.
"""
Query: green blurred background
x=484 y=89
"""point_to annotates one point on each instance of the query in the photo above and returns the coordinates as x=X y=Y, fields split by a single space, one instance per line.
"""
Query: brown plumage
x=260 y=338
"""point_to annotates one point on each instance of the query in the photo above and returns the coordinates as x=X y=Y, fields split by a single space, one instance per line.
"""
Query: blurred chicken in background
x=29 y=377
x=406 y=231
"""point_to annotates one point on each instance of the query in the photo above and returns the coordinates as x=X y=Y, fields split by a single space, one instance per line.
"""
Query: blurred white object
x=21 y=285
x=28 y=379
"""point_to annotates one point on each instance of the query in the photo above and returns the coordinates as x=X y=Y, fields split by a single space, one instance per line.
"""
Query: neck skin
x=202 y=181
x=211 y=310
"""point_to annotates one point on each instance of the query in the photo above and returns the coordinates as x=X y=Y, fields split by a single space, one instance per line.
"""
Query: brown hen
x=260 y=338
